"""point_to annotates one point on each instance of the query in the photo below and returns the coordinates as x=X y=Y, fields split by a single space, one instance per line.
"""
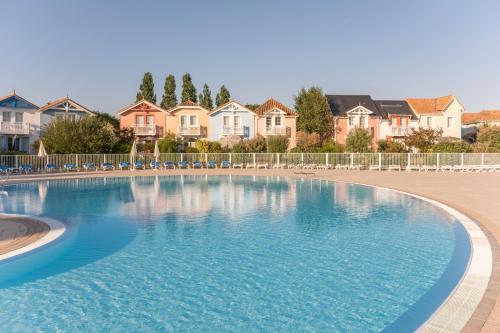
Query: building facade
x=232 y=119
x=190 y=122
x=148 y=120
x=275 y=118
x=473 y=121
x=62 y=108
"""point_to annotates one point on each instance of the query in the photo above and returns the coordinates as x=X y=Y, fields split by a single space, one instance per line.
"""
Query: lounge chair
x=374 y=167
x=5 y=169
x=197 y=165
x=138 y=165
x=279 y=166
x=107 y=166
x=51 y=167
x=168 y=165
x=225 y=164
x=355 y=167
x=394 y=167
x=25 y=168
x=183 y=165
x=251 y=165
x=124 y=165
x=89 y=166
x=70 y=167
x=154 y=165
x=261 y=166
x=342 y=167
x=211 y=165
x=237 y=165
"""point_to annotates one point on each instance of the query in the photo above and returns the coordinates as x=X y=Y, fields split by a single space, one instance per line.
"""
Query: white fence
x=369 y=161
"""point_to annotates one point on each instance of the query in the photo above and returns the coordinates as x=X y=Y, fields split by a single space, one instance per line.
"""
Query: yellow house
x=189 y=121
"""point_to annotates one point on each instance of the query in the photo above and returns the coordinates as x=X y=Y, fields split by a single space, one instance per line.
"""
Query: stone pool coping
x=32 y=233
x=473 y=194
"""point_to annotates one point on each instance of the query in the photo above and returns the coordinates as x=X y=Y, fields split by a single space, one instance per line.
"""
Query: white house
x=20 y=123
x=439 y=113
x=232 y=118
x=65 y=108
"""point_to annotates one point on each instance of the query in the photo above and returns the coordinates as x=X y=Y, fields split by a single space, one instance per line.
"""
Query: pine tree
x=169 y=99
x=223 y=96
x=206 y=98
x=146 y=89
x=188 y=89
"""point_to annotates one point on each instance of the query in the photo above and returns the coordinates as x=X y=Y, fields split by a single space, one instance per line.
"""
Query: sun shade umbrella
x=41 y=150
x=156 y=153
x=133 y=153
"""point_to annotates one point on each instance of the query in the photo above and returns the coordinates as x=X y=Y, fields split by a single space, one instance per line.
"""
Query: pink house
x=274 y=118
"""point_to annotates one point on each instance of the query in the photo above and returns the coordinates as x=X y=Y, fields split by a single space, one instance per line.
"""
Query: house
x=148 y=120
x=274 y=118
x=232 y=118
x=397 y=119
x=443 y=113
x=352 y=111
x=20 y=123
x=62 y=108
x=189 y=121
x=472 y=122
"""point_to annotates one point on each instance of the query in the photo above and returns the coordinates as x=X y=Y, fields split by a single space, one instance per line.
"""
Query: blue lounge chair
x=183 y=165
x=168 y=165
x=211 y=165
x=124 y=165
x=138 y=165
x=89 y=166
x=225 y=164
x=51 y=167
x=26 y=168
x=107 y=166
x=5 y=169
x=70 y=167
x=154 y=165
x=197 y=165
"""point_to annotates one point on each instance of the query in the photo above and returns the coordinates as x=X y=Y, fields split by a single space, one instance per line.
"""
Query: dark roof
x=394 y=108
x=340 y=104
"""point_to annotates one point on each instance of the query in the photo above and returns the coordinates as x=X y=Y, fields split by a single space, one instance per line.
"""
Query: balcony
x=190 y=131
x=147 y=129
x=277 y=130
x=233 y=130
x=400 y=130
x=14 y=128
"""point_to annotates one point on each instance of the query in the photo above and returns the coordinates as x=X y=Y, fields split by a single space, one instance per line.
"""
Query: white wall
x=454 y=111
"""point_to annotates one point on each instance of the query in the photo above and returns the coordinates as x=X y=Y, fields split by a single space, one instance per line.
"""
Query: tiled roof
x=340 y=104
x=131 y=106
x=188 y=103
x=13 y=94
x=271 y=104
x=50 y=105
x=430 y=105
x=483 y=116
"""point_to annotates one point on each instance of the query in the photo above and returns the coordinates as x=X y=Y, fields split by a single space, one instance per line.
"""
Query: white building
x=439 y=113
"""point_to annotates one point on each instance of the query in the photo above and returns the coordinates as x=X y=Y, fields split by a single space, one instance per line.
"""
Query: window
x=277 y=121
x=237 y=121
x=227 y=121
x=139 y=120
x=184 y=121
x=6 y=117
x=71 y=117
x=269 y=121
x=193 y=120
x=362 y=121
x=351 y=121
x=19 y=117
x=150 y=120
x=429 y=121
x=450 y=122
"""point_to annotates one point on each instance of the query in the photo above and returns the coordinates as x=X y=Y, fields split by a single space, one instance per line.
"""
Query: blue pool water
x=229 y=254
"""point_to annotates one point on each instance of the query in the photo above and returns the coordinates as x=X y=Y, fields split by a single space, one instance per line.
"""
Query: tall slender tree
x=169 y=99
x=146 y=89
x=223 y=96
x=188 y=89
x=206 y=98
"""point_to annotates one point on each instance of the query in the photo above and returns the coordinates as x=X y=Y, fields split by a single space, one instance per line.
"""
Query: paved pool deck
x=476 y=195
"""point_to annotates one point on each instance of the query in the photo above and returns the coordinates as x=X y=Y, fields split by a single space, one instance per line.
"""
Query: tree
x=223 y=96
x=252 y=107
x=188 y=89
x=256 y=145
x=390 y=146
x=277 y=144
x=205 y=146
x=452 y=146
x=107 y=118
x=169 y=99
x=307 y=142
x=169 y=144
x=88 y=135
x=314 y=115
x=358 y=140
x=423 y=139
x=488 y=139
x=206 y=98
x=330 y=146
x=146 y=89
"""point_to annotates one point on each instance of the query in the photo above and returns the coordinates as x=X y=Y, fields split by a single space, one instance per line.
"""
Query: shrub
x=256 y=145
x=330 y=146
x=308 y=142
x=489 y=139
x=448 y=146
x=239 y=148
x=390 y=146
x=191 y=150
x=205 y=146
x=423 y=139
x=277 y=144
x=169 y=144
x=358 y=141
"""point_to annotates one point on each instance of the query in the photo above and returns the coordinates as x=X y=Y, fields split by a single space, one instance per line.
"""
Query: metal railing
x=14 y=128
x=192 y=130
x=367 y=161
x=400 y=130
x=147 y=129
x=232 y=130
x=275 y=130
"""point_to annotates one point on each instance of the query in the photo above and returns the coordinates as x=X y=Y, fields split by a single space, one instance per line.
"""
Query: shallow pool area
x=229 y=254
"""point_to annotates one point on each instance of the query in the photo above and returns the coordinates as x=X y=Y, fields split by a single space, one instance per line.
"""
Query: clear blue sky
x=98 y=51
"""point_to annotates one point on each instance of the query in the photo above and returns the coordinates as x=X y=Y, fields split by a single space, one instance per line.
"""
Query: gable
x=142 y=106
x=16 y=102
x=231 y=107
x=359 y=110
x=341 y=104
x=65 y=105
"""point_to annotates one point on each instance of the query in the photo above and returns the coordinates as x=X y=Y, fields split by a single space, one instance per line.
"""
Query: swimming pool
x=229 y=254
